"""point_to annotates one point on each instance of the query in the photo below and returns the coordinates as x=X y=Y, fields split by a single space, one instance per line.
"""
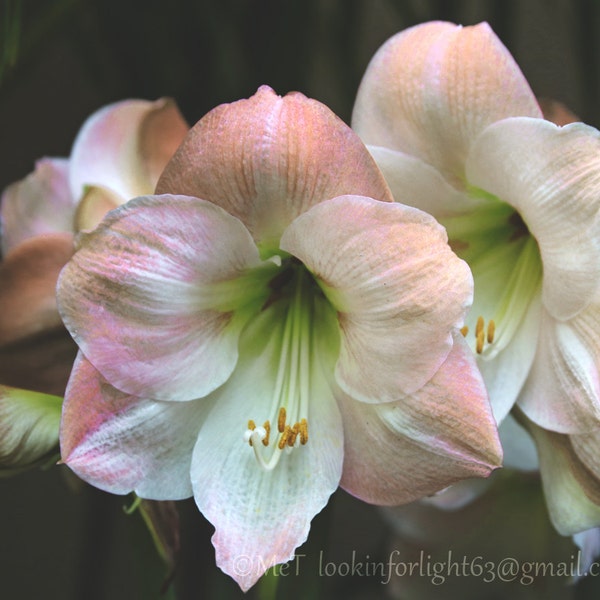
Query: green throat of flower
x=505 y=260
x=301 y=316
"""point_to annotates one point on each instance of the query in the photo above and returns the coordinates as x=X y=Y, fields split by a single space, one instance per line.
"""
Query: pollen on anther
x=284 y=437
x=251 y=427
x=267 y=426
x=293 y=435
x=464 y=330
x=491 y=330
x=479 y=326
x=281 y=420
x=303 y=431
x=480 y=342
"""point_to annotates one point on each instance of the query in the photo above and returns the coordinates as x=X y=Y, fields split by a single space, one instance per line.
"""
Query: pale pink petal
x=125 y=146
x=268 y=159
x=27 y=286
x=572 y=492
x=587 y=448
x=431 y=89
x=551 y=176
x=122 y=443
x=398 y=290
x=415 y=183
x=397 y=452
x=562 y=392
x=40 y=362
x=261 y=516
x=150 y=296
x=41 y=203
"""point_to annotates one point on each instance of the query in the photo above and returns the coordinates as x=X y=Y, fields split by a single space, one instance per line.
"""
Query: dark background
x=60 y=61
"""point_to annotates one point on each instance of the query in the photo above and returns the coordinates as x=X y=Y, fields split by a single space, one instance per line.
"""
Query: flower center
x=507 y=270
x=289 y=406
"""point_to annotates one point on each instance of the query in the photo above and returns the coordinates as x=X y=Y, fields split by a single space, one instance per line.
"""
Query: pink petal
x=398 y=289
x=122 y=443
x=141 y=296
x=431 y=89
x=395 y=453
x=125 y=146
x=27 y=286
x=268 y=159
x=41 y=203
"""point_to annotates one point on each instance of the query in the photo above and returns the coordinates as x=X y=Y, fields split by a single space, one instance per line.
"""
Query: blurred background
x=60 y=60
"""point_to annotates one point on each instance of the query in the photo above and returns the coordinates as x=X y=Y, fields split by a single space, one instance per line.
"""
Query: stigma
x=482 y=334
x=286 y=438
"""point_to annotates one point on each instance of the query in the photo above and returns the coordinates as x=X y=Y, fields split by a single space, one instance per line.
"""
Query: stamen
x=303 y=431
x=284 y=437
x=251 y=428
x=490 y=331
x=480 y=341
x=479 y=326
x=281 y=420
x=267 y=426
x=464 y=330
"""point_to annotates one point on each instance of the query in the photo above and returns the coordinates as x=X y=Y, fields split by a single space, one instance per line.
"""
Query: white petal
x=551 y=175
x=262 y=516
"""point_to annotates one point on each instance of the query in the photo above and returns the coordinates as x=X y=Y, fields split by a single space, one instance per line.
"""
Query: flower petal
x=415 y=183
x=556 y=192
x=146 y=295
x=397 y=452
x=431 y=89
x=587 y=448
x=40 y=362
x=505 y=373
x=125 y=146
x=41 y=203
x=562 y=392
x=397 y=287
x=93 y=206
x=121 y=443
x=572 y=494
x=29 y=424
x=262 y=516
x=268 y=159
x=519 y=450
x=27 y=286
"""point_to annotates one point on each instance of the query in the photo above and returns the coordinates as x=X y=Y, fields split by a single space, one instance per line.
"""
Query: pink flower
x=269 y=327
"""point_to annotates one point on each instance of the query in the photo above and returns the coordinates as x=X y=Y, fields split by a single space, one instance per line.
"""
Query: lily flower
x=453 y=124
x=118 y=154
x=267 y=327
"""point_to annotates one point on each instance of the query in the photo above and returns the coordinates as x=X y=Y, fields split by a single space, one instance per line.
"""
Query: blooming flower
x=118 y=154
x=269 y=326
x=455 y=128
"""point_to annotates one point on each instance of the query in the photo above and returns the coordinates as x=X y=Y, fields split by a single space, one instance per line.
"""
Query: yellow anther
x=284 y=437
x=267 y=426
x=491 y=329
x=293 y=435
x=281 y=420
x=464 y=330
x=303 y=431
x=479 y=326
x=251 y=427
x=480 y=342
